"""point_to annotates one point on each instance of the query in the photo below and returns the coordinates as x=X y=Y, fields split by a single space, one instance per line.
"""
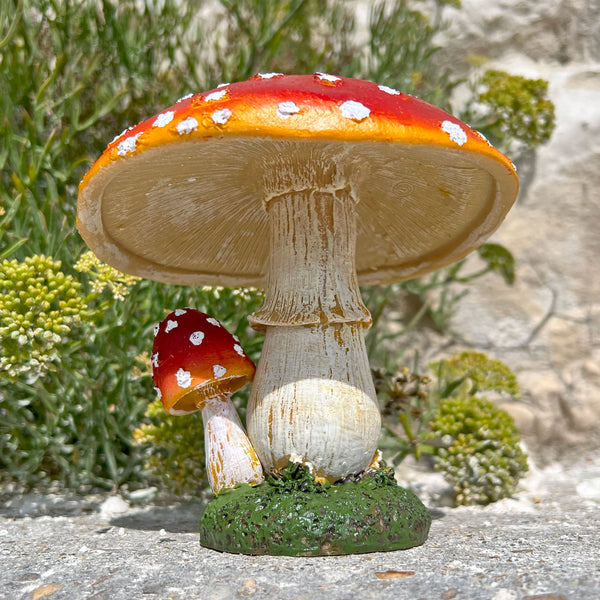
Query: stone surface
x=560 y=31
x=542 y=543
x=546 y=327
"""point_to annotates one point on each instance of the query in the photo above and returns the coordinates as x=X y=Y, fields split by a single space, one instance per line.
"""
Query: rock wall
x=546 y=326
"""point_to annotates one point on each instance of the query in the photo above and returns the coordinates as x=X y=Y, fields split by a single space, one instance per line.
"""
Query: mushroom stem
x=313 y=400
x=230 y=457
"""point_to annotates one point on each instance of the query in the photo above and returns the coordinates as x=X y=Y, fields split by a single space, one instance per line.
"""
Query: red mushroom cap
x=194 y=358
x=180 y=197
x=298 y=106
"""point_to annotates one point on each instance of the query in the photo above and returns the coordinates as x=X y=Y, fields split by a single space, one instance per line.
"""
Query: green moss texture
x=295 y=516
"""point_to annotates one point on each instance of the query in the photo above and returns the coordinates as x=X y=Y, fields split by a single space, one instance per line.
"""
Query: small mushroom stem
x=313 y=400
x=230 y=457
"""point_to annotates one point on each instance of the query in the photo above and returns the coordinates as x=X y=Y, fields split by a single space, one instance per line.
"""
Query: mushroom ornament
x=197 y=365
x=306 y=185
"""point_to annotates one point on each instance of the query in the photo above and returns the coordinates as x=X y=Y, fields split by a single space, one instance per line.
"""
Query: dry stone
x=547 y=325
x=559 y=31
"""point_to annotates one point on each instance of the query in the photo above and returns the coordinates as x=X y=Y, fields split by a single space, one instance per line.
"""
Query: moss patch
x=296 y=516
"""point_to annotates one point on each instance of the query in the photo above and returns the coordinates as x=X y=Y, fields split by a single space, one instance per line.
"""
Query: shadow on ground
x=180 y=518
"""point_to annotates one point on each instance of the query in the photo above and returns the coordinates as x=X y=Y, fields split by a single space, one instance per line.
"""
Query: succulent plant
x=480 y=453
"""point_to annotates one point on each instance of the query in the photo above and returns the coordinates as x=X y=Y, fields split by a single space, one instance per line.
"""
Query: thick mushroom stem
x=230 y=457
x=313 y=400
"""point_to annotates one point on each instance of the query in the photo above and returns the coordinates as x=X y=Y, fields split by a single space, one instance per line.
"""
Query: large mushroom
x=197 y=365
x=305 y=185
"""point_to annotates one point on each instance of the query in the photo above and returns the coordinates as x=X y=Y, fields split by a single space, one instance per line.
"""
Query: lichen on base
x=294 y=515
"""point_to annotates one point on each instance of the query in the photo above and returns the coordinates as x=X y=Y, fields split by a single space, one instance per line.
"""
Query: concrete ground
x=543 y=544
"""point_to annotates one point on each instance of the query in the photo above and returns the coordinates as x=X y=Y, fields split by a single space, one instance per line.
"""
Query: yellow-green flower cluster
x=472 y=372
x=105 y=277
x=39 y=307
x=481 y=455
x=514 y=108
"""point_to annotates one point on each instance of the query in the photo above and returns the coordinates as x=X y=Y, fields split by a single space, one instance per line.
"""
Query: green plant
x=512 y=111
x=175 y=450
x=473 y=442
x=40 y=308
x=62 y=415
x=480 y=455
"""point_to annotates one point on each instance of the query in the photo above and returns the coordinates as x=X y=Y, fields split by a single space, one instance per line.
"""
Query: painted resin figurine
x=305 y=185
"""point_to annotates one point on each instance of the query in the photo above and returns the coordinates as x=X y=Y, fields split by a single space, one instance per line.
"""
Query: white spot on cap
x=122 y=133
x=171 y=325
x=219 y=370
x=327 y=77
x=163 y=119
x=287 y=109
x=155 y=360
x=269 y=75
x=184 y=378
x=388 y=90
x=213 y=322
x=220 y=117
x=455 y=132
x=187 y=126
x=128 y=145
x=215 y=95
x=156 y=329
x=197 y=337
x=158 y=393
x=484 y=138
x=354 y=110
x=222 y=85
x=185 y=97
x=180 y=311
x=239 y=350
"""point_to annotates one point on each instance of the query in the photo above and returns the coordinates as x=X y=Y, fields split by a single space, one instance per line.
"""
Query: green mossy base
x=295 y=516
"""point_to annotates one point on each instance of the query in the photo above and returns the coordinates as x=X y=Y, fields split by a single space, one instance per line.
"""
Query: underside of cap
x=194 y=212
x=178 y=402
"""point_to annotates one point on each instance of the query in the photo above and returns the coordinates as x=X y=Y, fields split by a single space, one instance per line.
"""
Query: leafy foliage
x=102 y=277
x=436 y=295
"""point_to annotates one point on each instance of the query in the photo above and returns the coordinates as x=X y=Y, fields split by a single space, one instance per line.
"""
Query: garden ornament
x=197 y=365
x=305 y=185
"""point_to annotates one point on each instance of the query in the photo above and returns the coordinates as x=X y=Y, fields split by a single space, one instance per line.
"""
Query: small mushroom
x=198 y=365
x=306 y=185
